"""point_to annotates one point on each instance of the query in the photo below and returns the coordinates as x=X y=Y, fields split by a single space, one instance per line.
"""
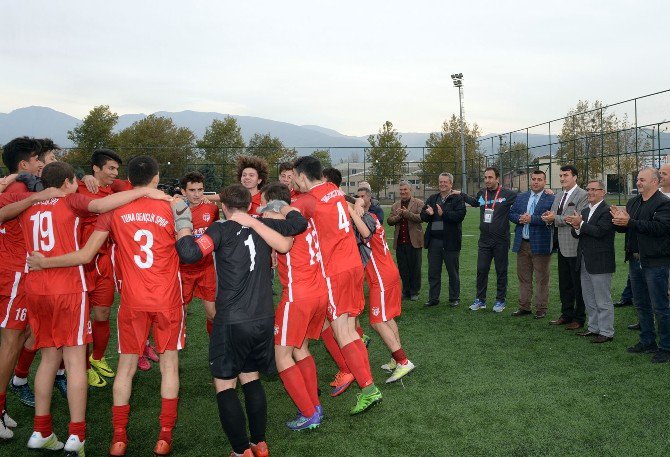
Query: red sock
x=399 y=356
x=120 y=422
x=365 y=357
x=334 y=349
x=297 y=390
x=3 y=401
x=168 y=418
x=79 y=429
x=210 y=327
x=26 y=358
x=100 y=338
x=308 y=371
x=359 y=330
x=356 y=363
x=43 y=425
x=88 y=353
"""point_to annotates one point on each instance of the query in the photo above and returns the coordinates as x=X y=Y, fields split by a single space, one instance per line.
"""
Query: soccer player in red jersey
x=199 y=279
x=252 y=173
x=385 y=294
x=57 y=299
x=344 y=275
x=144 y=234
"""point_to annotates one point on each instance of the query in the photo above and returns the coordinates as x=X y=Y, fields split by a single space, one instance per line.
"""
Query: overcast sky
x=345 y=65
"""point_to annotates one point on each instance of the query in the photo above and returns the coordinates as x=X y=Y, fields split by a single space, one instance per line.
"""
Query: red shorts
x=102 y=278
x=169 y=331
x=13 y=309
x=59 y=320
x=345 y=293
x=201 y=283
x=299 y=319
x=385 y=305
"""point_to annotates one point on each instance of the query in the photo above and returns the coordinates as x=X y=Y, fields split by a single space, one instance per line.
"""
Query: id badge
x=488 y=215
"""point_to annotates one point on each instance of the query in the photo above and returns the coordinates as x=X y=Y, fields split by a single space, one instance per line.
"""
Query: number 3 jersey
x=145 y=254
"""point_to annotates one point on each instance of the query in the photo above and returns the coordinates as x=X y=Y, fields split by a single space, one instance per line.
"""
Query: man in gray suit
x=570 y=202
x=596 y=262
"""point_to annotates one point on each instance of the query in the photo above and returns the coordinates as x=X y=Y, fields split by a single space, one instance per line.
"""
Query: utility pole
x=458 y=82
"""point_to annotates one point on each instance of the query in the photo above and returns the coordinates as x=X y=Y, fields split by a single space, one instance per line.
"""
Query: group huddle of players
x=84 y=240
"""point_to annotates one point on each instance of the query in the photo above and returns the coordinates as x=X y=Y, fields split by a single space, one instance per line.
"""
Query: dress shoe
x=574 y=326
x=639 y=348
x=634 y=326
x=521 y=312
x=602 y=339
x=559 y=321
x=430 y=303
x=587 y=333
x=540 y=315
x=454 y=303
x=623 y=303
x=661 y=356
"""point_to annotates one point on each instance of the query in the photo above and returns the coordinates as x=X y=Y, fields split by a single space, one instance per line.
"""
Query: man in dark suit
x=596 y=262
x=532 y=244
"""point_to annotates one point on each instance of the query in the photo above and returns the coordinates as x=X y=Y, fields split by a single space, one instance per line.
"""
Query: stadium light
x=457 y=79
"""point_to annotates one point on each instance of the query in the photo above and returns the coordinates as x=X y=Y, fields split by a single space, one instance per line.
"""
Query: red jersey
x=255 y=204
x=337 y=242
x=299 y=269
x=145 y=254
x=51 y=228
x=381 y=270
x=203 y=215
x=12 y=245
x=294 y=194
x=88 y=223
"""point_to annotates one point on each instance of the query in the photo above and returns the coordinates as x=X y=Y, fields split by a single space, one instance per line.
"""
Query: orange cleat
x=260 y=449
x=118 y=449
x=162 y=448
x=342 y=382
x=338 y=377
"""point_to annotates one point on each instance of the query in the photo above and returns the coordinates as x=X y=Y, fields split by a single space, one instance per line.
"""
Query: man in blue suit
x=532 y=244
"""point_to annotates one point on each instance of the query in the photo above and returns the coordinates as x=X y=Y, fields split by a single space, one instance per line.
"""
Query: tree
x=271 y=149
x=220 y=145
x=159 y=137
x=323 y=156
x=444 y=151
x=514 y=158
x=386 y=155
x=95 y=131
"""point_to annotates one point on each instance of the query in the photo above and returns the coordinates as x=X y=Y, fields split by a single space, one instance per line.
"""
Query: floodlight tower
x=458 y=82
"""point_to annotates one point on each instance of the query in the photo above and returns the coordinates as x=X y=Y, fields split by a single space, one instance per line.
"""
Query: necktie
x=526 y=227
x=560 y=207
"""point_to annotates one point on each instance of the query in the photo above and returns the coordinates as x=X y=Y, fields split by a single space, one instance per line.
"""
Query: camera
x=170 y=187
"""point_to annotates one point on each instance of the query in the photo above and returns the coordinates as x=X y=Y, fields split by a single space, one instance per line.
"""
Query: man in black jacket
x=444 y=213
x=494 y=203
x=646 y=221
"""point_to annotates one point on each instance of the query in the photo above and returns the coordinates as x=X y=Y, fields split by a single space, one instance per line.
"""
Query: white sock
x=60 y=372
x=19 y=381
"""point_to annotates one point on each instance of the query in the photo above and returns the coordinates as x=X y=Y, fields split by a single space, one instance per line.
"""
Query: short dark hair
x=47 y=145
x=141 y=170
x=100 y=158
x=236 y=196
x=191 y=176
x=276 y=191
x=539 y=172
x=332 y=175
x=55 y=173
x=571 y=169
x=310 y=167
x=494 y=170
x=285 y=166
x=257 y=163
x=19 y=149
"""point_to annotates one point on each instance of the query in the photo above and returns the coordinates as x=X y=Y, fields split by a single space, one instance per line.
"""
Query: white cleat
x=74 y=447
x=50 y=443
x=389 y=366
x=8 y=421
x=6 y=433
x=400 y=371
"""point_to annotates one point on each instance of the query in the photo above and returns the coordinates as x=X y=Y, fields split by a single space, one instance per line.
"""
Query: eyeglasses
x=593 y=189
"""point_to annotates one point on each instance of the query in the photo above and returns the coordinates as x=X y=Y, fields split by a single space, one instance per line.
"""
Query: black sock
x=257 y=409
x=233 y=420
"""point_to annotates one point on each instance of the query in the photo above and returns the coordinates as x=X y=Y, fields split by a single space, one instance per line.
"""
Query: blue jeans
x=650 y=296
x=627 y=294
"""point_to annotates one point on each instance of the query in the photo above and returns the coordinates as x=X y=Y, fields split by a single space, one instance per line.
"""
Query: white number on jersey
x=313 y=246
x=252 y=252
x=343 y=218
x=43 y=231
x=145 y=248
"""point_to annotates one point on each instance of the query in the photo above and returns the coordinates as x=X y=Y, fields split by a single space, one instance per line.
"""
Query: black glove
x=32 y=182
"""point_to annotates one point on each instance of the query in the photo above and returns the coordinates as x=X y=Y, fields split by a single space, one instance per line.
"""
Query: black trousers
x=496 y=250
x=570 y=289
x=409 y=264
x=436 y=256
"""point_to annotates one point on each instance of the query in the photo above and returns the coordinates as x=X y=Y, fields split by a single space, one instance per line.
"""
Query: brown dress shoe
x=559 y=321
x=521 y=312
x=574 y=326
x=540 y=315
x=587 y=333
x=602 y=339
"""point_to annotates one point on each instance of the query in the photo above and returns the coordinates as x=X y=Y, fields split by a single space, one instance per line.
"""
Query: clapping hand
x=620 y=216
x=439 y=210
x=548 y=217
x=576 y=221
x=524 y=218
x=429 y=210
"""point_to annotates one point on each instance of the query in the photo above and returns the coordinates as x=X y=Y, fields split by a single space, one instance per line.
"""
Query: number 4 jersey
x=145 y=254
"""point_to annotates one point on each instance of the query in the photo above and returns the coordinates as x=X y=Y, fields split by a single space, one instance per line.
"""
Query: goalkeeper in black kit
x=242 y=341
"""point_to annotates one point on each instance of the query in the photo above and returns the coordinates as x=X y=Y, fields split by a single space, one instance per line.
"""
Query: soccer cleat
x=260 y=449
x=162 y=448
x=143 y=363
x=390 y=366
x=319 y=409
x=247 y=453
x=400 y=371
x=25 y=394
x=74 y=447
x=94 y=379
x=365 y=401
x=50 y=443
x=366 y=340
x=118 y=449
x=342 y=382
x=102 y=367
x=6 y=423
x=150 y=353
x=60 y=383
x=477 y=304
x=305 y=423
x=499 y=306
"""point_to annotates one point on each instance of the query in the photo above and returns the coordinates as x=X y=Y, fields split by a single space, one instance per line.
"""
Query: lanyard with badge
x=488 y=212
